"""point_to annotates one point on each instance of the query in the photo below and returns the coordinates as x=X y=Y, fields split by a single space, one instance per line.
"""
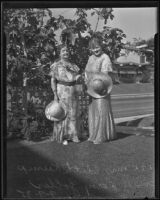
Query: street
x=132 y=106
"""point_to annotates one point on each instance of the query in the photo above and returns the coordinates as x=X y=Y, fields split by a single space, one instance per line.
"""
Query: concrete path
x=126 y=119
x=124 y=96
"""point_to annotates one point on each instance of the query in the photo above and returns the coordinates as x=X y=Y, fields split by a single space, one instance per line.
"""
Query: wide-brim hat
x=99 y=85
x=55 y=111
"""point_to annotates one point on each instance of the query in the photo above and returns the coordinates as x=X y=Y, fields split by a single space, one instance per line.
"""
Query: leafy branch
x=32 y=44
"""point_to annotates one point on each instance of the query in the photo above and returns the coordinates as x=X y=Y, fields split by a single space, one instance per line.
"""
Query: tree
x=30 y=44
x=32 y=47
x=111 y=37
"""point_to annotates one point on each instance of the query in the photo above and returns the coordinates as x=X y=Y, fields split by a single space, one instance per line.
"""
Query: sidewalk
x=125 y=119
x=125 y=96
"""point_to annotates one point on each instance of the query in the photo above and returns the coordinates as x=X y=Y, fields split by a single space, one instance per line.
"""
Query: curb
x=125 y=119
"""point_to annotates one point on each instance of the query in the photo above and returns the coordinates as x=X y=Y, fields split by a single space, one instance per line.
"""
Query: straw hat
x=55 y=111
x=99 y=85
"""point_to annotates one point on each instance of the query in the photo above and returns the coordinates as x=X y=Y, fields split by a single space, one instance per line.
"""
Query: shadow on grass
x=31 y=175
x=121 y=135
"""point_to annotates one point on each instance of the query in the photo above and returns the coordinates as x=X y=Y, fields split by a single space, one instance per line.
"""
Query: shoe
x=65 y=142
x=76 y=140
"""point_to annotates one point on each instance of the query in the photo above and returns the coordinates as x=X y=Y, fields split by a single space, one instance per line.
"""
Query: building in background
x=133 y=66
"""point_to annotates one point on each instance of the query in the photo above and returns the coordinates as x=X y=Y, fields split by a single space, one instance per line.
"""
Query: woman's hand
x=87 y=77
x=79 y=78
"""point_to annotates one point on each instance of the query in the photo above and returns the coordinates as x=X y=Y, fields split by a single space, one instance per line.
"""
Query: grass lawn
x=123 y=168
x=133 y=88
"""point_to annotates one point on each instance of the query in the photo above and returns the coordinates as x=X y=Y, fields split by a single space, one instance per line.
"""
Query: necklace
x=67 y=66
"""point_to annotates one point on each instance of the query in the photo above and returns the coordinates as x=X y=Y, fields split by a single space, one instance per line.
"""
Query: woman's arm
x=88 y=70
x=53 y=81
x=106 y=65
x=54 y=88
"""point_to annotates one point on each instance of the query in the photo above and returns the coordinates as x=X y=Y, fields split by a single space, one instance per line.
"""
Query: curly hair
x=95 y=41
x=61 y=46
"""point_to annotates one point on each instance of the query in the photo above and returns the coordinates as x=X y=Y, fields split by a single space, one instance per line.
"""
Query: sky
x=135 y=22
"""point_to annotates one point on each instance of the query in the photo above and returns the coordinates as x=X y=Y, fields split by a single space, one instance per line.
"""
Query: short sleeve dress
x=100 y=117
x=69 y=127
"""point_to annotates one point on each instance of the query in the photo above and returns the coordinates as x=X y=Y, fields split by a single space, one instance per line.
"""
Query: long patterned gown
x=69 y=128
x=100 y=117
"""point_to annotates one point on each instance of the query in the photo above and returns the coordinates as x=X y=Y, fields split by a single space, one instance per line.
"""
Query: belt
x=67 y=83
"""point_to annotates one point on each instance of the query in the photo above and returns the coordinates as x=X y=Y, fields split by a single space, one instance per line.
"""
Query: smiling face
x=97 y=50
x=64 y=53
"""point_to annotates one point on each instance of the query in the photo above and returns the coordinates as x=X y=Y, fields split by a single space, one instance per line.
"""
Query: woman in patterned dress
x=64 y=76
x=100 y=117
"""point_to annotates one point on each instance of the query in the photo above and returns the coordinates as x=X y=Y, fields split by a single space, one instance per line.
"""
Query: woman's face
x=97 y=50
x=64 y=53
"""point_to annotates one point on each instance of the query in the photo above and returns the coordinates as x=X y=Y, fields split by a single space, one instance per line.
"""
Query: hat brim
x=51 y=118
x=92 y=93
x=55 y=119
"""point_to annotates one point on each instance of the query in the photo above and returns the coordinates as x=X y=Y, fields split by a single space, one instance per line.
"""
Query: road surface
x=132 y=106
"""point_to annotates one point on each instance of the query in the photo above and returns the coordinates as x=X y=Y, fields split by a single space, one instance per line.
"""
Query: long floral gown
x=100 y=117
x=69 y=128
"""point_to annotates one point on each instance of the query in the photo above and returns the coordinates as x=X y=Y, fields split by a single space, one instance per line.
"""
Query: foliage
x=31 y=45
x=113 y=41
x=31 y=124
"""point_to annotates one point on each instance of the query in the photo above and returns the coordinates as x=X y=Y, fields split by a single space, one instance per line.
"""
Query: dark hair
x=61 y=46
x=95 y=41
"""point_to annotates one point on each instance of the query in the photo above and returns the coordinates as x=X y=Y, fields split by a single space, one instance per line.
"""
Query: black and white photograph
x=79 y=101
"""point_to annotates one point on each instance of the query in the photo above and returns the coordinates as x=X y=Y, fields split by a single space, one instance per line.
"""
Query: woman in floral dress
x=64 y=76
x=100 y=118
